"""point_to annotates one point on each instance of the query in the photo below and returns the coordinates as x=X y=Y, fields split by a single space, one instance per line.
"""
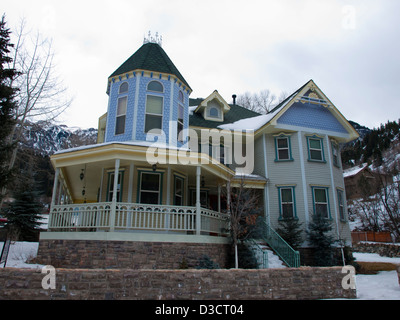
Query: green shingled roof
x=234 y=114
x=150 y=57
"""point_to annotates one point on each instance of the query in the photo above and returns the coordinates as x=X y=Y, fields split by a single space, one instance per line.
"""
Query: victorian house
x=153 y=191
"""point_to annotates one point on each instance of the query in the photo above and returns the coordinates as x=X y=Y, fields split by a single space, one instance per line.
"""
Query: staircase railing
x=259 y=252
x=289 y=256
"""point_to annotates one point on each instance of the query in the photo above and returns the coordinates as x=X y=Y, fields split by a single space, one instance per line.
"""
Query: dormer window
x=155 y=86
x=213 y=112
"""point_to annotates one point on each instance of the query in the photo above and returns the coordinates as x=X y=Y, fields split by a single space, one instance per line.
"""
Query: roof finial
x=156 y=39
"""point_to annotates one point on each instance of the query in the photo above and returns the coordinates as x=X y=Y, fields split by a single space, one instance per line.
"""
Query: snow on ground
x=20 y=253
x=381 y=286
x=373 y=257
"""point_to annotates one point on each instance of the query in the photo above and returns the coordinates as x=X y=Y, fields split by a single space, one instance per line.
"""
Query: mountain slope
x=48 y=139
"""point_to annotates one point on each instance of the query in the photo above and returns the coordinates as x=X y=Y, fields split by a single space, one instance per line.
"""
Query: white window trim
x=120 y=115
x=154 y=114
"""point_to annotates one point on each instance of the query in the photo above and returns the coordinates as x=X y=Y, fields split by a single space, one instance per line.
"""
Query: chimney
x=234 y=99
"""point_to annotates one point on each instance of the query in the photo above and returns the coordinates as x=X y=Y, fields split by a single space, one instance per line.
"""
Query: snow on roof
x=257 y=122
x=129 y=143
x=354 y=170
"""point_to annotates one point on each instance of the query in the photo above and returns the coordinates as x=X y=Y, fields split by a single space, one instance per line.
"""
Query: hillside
x=48 y=139
x=39 y=142
x=374 y=146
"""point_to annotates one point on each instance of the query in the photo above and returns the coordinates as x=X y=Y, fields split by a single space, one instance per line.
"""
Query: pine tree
x=290 y=230
x=7 y=104
x=23 y=214
x=321 y=240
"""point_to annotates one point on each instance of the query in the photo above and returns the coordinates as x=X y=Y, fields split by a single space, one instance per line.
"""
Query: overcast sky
x=351 y=49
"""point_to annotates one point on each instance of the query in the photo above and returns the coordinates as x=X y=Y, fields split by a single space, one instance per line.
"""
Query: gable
x=311 y=115
x=308 y=107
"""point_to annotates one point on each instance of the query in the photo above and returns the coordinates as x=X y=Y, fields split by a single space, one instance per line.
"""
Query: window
x=315 y=149
x=123 y=88
x=110 y=190
x=335 y=154
x=180 y=123
x=341 y=205
x=282 y=148
x=181 y=96
x=287 y=208
x=203 y=198
x=149 y=191
x=321 y=202
x=121 y=115
x=213 y=112
x=178 y=193
x=154 y=114
x=155 y=86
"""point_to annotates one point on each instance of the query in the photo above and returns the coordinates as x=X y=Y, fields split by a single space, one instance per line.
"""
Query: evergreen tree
x=290 y=230
x=321 y=241
x=23 y=214
x=7 y=105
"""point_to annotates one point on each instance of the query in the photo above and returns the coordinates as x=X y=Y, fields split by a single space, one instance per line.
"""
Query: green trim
x=314 y=137
x=313 y=188
x=183 y=189
x=335 y=145
x=289 y=148
x=139 y=180
x=292 y=188
x=341 y=193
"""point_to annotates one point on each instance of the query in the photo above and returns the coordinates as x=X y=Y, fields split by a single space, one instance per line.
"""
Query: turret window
x=180 y=123
x=123 y=88
x=154 y=114
x=155 y=86
x=180 y=96
x=121 y=115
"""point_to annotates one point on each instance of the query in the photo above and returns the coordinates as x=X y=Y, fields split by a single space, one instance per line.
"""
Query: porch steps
x=265 y=256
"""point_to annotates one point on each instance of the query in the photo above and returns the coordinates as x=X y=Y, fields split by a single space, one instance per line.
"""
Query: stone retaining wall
x=383 y=249
x=127 y=284
x=128 y=254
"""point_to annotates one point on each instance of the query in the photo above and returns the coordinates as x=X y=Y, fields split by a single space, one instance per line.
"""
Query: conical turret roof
x=150 y=57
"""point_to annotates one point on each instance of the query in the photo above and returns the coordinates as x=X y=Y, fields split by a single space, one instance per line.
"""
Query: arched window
x=180 y=96
x=155 y=86
x=214 y=112
x=123 y=88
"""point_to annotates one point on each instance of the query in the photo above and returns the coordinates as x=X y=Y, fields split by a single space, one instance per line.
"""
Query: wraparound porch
x=109 y=217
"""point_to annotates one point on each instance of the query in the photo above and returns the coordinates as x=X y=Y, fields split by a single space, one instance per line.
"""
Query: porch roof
x=137 y=152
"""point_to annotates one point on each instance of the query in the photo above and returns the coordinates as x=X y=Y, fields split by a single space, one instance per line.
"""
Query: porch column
x=130 y=190
x=198 y=214
x=228 y=196
x=168 y=202
x=56 y=177
x=219 y=198
x=114 y=198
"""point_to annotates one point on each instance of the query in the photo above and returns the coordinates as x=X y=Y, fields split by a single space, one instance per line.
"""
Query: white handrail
x=134 y=216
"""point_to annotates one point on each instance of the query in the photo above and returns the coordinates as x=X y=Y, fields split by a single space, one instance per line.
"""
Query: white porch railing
x=133 y=216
